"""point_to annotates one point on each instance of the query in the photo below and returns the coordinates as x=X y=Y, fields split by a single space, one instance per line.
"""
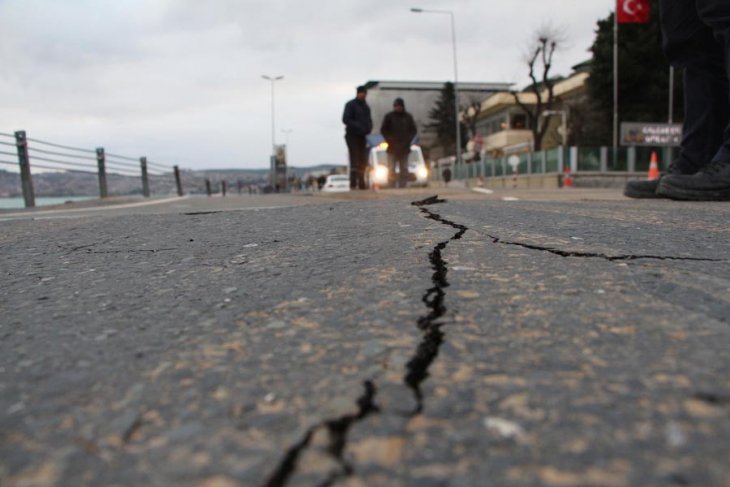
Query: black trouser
x=400 y=158
x=357 y=147
x=697 y=38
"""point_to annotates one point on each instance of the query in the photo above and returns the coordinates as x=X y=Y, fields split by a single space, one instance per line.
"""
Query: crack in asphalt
x=598 y=255
x=433 y=298
x=337 y=430
x=417 y=369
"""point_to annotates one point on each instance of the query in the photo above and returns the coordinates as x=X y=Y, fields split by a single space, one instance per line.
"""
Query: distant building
x=420 y=97
x=504 y=126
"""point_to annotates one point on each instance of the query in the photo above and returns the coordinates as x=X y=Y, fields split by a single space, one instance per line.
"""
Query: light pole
x=272 y=79
x=286 y=132
x=564 y=125
x=456 y=75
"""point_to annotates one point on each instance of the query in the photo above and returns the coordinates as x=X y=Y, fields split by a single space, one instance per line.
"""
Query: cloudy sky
x=180 y=80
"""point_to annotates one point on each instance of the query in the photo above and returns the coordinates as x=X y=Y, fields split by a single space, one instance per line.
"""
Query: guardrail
x=30 y=153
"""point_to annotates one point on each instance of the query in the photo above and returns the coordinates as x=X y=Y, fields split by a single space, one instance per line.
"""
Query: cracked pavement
x=369 y=342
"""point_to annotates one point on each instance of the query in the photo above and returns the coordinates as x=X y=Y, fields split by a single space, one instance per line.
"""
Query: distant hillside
x=72 y=183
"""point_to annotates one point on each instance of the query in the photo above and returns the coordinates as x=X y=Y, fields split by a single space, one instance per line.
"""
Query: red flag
x=633 y=11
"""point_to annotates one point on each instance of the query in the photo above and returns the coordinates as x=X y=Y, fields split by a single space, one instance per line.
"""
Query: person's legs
x=403 y=169
x=392 y=161
x=706 y=133
x=362 y=163
x=688 y=43
x=352 y=151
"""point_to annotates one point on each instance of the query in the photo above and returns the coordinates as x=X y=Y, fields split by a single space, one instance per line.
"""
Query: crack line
x=610 y=258
x=433 y=298
x=417 y=369
x=337 y=430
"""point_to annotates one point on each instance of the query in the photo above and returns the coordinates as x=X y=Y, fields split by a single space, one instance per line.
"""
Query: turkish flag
x=633 y=11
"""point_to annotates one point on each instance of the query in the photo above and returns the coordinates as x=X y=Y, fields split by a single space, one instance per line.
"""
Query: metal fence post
x=631 y=156
x=543 y=161
x=573 y=151
x=561 y=159
x=26 y=179
x=178 y=182
x=145 y=177
x=101 y=163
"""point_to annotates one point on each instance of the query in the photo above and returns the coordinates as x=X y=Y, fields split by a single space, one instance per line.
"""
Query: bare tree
x=540 y=58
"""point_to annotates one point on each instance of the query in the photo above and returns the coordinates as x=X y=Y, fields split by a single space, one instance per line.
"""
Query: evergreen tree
x=643 y=78
x=443 y=116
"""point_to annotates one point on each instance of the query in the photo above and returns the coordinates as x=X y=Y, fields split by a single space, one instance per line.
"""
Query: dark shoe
x=711 y=183
x=644 y=188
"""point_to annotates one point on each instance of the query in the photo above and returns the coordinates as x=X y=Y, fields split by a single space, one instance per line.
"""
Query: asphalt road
x=563 y=339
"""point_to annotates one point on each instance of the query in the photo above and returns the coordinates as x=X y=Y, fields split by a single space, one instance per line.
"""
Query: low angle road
x=543 y=338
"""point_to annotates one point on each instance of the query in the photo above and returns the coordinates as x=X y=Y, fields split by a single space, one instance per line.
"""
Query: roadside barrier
x=50 y=157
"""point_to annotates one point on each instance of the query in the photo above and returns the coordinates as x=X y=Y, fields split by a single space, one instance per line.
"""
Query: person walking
x=399 y=129
x=358 y=125
x=696 y=37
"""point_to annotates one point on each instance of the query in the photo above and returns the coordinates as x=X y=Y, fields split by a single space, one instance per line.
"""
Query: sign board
x=651 y=134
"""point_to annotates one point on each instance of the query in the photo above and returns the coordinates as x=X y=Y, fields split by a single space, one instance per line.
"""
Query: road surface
x=560 y=339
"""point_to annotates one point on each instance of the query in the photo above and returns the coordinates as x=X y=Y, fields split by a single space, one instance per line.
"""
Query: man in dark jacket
x=399 y=129
x=358 y=125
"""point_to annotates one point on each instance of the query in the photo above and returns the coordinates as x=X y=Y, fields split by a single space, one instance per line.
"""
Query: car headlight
x=422 y=173
x=381 y=173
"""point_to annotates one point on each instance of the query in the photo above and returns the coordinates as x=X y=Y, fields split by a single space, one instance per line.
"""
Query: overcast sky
x=180 y=80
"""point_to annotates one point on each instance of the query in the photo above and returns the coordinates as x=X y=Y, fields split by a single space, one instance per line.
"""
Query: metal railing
x=556 y=161
x=112 y=174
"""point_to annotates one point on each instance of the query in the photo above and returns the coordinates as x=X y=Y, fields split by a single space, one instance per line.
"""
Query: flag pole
x=615 y=84
x=671 y=94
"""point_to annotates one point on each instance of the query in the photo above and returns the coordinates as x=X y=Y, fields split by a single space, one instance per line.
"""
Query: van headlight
x=422 y=173
x=381 y=173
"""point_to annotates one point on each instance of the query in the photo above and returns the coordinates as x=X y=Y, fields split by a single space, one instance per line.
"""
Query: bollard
x=178 y=182
x=207 y=186
x=145 y=177
x=223 y=188
x=101 y=163
x=26 y=179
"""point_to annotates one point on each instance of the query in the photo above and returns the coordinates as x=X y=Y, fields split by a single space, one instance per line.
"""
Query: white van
x=380 y=172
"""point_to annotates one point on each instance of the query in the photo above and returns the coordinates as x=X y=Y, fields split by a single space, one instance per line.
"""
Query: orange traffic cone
x=653 y=168
x=567 y=179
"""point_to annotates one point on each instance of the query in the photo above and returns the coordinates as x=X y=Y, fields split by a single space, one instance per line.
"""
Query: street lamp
x=287 y=132
x=564 y=125
x=272 y=79
x=456 y=75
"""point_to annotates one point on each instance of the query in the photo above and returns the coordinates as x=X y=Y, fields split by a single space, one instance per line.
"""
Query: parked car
x=336 y=183
x=380 y=171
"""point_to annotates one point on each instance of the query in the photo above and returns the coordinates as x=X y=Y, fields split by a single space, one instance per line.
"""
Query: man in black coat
x=358 y=125
x=399 y=129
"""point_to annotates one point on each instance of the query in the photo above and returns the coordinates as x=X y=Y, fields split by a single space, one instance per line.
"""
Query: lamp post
x=286 y=132
x=272 y=172
x=456 y=75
